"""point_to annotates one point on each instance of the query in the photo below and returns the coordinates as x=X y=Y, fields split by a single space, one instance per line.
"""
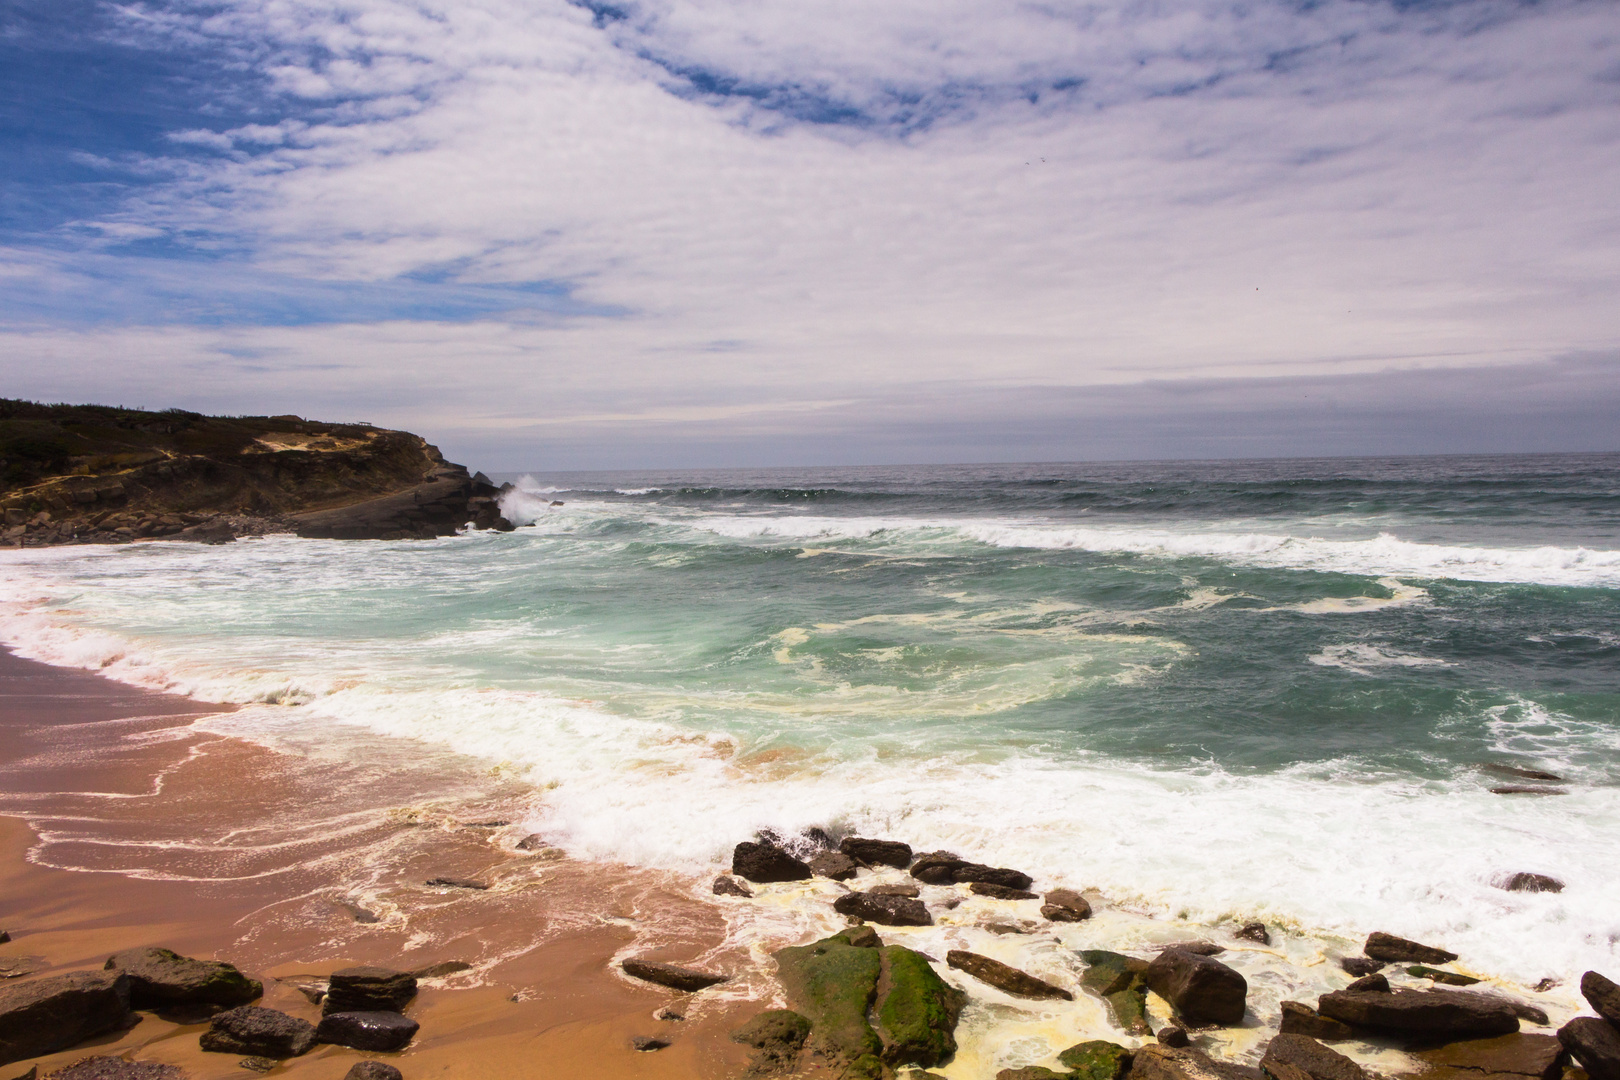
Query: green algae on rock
x=917 y=1011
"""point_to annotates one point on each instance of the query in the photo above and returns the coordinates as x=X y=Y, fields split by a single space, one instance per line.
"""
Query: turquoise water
x=1277 y=688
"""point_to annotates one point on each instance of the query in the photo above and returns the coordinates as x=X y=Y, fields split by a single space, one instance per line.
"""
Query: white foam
x=1364 y=659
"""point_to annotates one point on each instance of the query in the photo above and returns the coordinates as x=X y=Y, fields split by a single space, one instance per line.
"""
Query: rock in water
x=368 y=989
x=673 y=976
x=1602 y=995
x=111 y=1068
x=1173 y=1035
x=877 y=852
x=1595 y=1044
x=441 y=969
x=726 y=885
x=373 y=1070
x=646 y=1044
x=1255 y=931
x=457 y=883
x=1426 y=1014
x=1300 y=1019
x=43 y=1016
x=967 y=873
x=764 y=862
x=1524 y=881
x=884 y=908
x=1505 y=1057
x=1096 y=1060
x=367 y=1030
x=1066 y=905
x=254 y=1032
x=1449 y=978
x=1197 y=948
x=937 y=867
x=834 y=865
x=1310 y=1057
x=1369 y=984
x=1360 y=965
x=998 y=892
x=1169 y=1063
x=1202 y=989
x=1120 y=981
x=834 y=982
x=777 y=1036
x=917 y=1011
x=159 y=978
x=1005 y=978
x=894 y=890
x=1397 y=950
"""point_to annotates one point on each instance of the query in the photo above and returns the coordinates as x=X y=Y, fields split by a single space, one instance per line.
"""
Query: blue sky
x=721 y=232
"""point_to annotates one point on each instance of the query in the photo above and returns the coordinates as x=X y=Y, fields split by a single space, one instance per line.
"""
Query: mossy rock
x=1032 y=1072
x=777 y=1035
x=833 y=983
x=1096 y=1060
x=1120 y=981
x=918 y=1010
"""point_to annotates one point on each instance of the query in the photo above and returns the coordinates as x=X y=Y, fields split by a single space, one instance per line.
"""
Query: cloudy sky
x=696 y=232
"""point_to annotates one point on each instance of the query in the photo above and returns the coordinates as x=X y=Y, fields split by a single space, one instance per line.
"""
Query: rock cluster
x=1594 y=1041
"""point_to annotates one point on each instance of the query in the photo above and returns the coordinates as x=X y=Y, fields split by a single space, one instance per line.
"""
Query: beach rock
x=1173 y=1035
x=367 y=1030
x=1369 y=984
x=162 y=977
x=862 y=937
x=1524 y=881
x=689 y=980
x=45 y=1015
x=1311 y=1058
x=894 y=890
x=1197 y=948
x=1595 y=1044
x=1008 y=928
x=937 y=867
x=967 y=873
x=1065 y=905
x=1603 y=995
x=1031 y=1072
x=258 y=1032
x=1424 y=1014
x=368 y=989
x=373 y=1070
x=16 y=967
x=669 y=1012
x=457 y=883
x=1524 y=1010
x=834 y=865
x=1254 y=931
x=313 y=987
x=1397 y=950
x=877 y=852
x=833 y=983
x=1449 y=978
x=1200 y=988
x=441 y=969
x=1300 y=1019
x=917 y=1011
x=726 y=885
x=1005 y=978
x=1120 y=981
x=888 y=910
x=5 y=938
x=533 y=842
x=646 y=1044
x=777 y=1036
x=1360 y=965
x=764 y=862
x=1540 y=1057
x=1153 y=1062
x=112 y=1068
x=999 y=892
x=1096 y=1059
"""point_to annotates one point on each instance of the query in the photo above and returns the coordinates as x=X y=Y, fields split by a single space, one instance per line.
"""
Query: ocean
x=1212 y=691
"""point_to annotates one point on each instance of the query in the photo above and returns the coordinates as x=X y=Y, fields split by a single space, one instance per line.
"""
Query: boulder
x=726 y=885
x=833 y=983
x=894 y=890
x=373 y=1070
x=1369 y=984
x=159 y=978
x=1065 y=905
x=1254 y=931
x=1120 y=981
x=1310 y=1057
x=877 y=852
x=43 y=1016
x=1201 y=989
x=917 y=1011
x=1421 y=1014
x=368 y=989
x=1301 y=1019
x=966 y=873
x=1535 y=1057
x=646 y=1044
x=367 y=1030
x=1602 y=995
x=937 y=867
x=255 y=1032
x=112 y=1068
x=1096 y=1059
x=998 y=892
x=1005 y=978
x=1031 y=1072
x=764 y=862
x=1173 y=1035
x=1360 y=965
x=777 y=1036
x=1524 y=881
x=834 y=865
x=1595 y=1044
x=1449 y=978
x=1398 y=950
x=1153 y=1062
x=688 y=980
x=4 y=937
x=886 y=909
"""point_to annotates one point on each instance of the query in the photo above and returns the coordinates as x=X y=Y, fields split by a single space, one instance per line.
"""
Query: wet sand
x=125 y=826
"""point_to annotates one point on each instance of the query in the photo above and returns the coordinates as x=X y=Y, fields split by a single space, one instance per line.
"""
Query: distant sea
x=1219 y=690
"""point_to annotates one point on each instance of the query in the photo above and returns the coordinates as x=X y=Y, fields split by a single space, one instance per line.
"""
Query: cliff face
x=99 y=474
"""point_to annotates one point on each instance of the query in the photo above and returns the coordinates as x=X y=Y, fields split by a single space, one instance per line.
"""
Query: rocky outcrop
x=763 y=862
x=1439 y=975
x=833 y=864
x=885 y=909
x=685 y=979
x=1369 y=984
x=999 y=892
x=439 y=505
x=1360 y=965
x=1201 y=989
x=1435 y=1015
x=877 y=852
x=368 y=989
x=159 y=978
x=46 y=1015
x=917 y=1011
x=1096 y=1059
x=1506 y=1057
x=1399 y=950
x=1121 y=981
x=1300 y=1019
x=777 y=1036
x=945 y=868
x=1005 y=978
x=381 y=1031
x=255 y=1032
x=1173 y=1063
x=1066 y=905
x=111 y=1068
x=1307 y=1056
x=1603 y=995
x=1595 y=1045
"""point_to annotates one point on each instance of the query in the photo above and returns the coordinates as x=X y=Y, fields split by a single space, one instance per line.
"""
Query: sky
x=665 y=233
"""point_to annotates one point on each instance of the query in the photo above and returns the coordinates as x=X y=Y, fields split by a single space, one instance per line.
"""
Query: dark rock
x=832 y=864
x=1595 y=1044
x=669 y=1013
x=1301 y=1019
x=162 y=977
x=894 y=890
x=43 y=1016
x=1422 y=1014
x=4 y=937
x=1065 y=905
x=15 y=967
x=1369 y=984
x=777 y=1036
x=111 y=1068
x=689 y=980
x=251 y=1030
x=1200 y=988
x=1360 y=965
x=888 y=910
x=1004 y=978
x=999 y=892
x=1171 y=1035
x=1311 y=1058
x=862 y=937
x=1008 y=928
x=877 y=852
x=646 y=1043
x=1197 y=948
x=834 y=984
x=1449 y=978
x=1254 y=931
x=1522 y=773
x=457 y=883
x=368 y=989
x=1153 y=1062
x=1602 y=995
x=1521 y=1055
x=1526 y=789
x=368 y=1030
x=533 y=842
x=441 y=969
x=764 y=862
x=1396 y=950
x=373 y=1070
x=967 y=873
x=1096 y=1059
x=726 y=885
x=937 y=867
x=1524 y=881
x=1031 y=1072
